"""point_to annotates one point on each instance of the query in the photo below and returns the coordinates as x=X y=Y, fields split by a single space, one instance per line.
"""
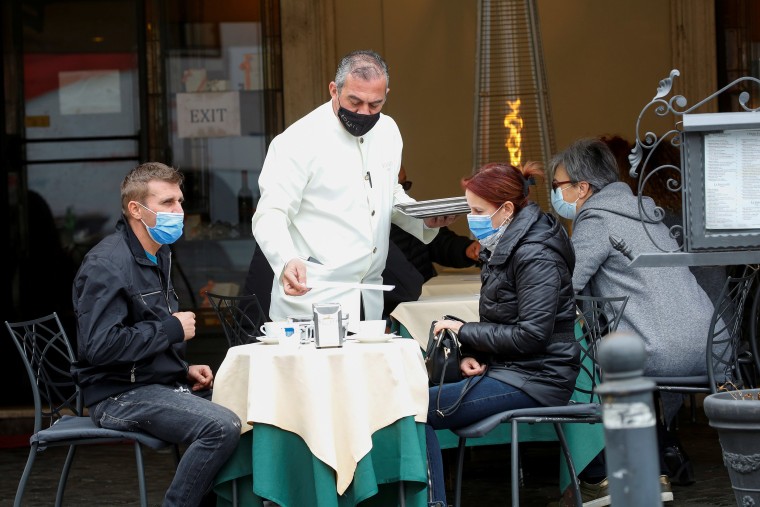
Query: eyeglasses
x=556 y=184
x=406 y=185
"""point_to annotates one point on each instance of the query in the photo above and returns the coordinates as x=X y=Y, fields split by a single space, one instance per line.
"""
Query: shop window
x=738 y=49
x=221 y=91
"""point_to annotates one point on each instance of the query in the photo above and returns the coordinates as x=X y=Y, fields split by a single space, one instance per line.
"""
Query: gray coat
x=666 y=306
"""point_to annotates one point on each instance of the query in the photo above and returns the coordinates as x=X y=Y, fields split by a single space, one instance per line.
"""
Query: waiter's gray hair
x=364 y=64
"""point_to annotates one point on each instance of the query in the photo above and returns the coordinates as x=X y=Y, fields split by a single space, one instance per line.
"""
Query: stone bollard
x=630 y=433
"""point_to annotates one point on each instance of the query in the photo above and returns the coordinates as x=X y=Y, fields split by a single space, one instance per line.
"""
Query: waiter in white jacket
x=328 y=187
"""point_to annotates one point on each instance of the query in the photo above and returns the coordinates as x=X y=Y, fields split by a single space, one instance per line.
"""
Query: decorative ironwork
x=647 y=145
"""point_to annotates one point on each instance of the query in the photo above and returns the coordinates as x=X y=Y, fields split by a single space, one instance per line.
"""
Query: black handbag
x=442 y=358
x=443 y=355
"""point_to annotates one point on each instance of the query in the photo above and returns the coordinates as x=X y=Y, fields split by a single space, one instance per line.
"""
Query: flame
x=514 y=123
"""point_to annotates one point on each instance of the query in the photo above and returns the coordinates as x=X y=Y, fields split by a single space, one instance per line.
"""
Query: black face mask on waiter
x=356 y=124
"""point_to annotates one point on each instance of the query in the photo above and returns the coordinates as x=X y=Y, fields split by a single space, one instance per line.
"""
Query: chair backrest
x=259 y=279
x=596 y=317
x=724 y=338
x=240 y=317
x=47 y=356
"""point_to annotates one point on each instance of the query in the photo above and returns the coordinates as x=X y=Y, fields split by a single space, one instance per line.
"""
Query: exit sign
x=208 y=114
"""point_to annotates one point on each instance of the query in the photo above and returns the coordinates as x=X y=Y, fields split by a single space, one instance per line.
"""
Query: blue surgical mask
x=561 y=206
x=168 y=228
x=481 y=226
x=490 y=242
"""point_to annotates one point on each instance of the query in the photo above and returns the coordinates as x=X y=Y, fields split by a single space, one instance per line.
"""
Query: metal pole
x=633 y=464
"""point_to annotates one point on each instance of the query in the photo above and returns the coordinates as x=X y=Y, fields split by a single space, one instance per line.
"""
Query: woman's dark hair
x=499 y=182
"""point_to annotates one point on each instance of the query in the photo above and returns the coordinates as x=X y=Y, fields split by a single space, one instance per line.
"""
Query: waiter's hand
x=294 y=278
x=433 y=222
x=473 y=251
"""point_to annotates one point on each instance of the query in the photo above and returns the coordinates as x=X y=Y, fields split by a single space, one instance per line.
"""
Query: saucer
x=268 y=340
x=373 y=338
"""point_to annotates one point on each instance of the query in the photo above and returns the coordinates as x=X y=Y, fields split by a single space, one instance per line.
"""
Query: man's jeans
x=487 y=397
x=176 y=415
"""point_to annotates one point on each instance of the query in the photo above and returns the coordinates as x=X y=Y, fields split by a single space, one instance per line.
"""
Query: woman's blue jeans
x=177 y=415
x=487 y=397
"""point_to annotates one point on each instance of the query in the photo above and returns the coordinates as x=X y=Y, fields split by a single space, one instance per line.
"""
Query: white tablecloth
x=465 y=283
x=334 y=399
x=416 y=316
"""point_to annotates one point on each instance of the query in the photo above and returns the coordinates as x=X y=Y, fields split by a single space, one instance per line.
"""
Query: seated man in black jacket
x=410 y=261
x=132 y=338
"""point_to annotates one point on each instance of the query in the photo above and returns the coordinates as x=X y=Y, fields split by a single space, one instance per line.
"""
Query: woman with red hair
x=524 y=346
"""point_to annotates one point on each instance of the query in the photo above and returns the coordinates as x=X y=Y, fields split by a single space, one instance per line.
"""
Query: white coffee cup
x=371 y=328
x=278 y=330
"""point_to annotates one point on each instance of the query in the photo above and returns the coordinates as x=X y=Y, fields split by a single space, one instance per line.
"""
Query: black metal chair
x=728 y=360
x=240 y=317
x=597 y=317
x=59 y=418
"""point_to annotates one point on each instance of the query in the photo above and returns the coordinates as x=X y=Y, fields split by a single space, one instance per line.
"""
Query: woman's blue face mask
x=168 y=228
x=561 y=206
x=481 y=226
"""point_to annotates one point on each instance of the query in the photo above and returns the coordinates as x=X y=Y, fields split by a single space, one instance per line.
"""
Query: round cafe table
x=332 y=427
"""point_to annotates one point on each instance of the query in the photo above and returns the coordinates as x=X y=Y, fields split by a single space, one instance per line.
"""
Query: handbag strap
x=465 y=389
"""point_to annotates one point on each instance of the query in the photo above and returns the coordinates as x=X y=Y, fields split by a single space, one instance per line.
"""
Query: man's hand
x=200 y=376
x=433 y=222
x=294 y=278
x=187 y=319
x=473 y=251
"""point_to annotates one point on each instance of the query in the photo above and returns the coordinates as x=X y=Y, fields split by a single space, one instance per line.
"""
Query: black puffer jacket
x=127 y=336
x=527 y=310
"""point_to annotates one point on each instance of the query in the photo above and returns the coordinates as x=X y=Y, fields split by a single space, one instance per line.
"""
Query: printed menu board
x=732 y=180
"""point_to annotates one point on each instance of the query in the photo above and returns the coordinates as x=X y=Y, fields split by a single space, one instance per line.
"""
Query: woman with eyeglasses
x=666 y=307
x=523 y=351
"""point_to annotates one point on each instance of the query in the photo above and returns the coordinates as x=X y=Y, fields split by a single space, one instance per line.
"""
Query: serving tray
x=435 y=207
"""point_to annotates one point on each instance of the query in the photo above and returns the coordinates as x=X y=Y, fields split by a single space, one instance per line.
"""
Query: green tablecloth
x=274 y=464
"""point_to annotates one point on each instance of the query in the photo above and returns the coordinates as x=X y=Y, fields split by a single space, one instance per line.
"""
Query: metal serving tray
x=435 y=207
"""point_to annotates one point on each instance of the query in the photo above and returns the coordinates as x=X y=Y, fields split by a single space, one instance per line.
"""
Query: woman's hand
x=471 y=367
x=440 y=325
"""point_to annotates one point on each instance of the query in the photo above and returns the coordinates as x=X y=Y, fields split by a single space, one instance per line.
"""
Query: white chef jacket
x=327 y=195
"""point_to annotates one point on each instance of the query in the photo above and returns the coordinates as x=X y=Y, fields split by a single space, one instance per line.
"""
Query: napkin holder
x=328 y=325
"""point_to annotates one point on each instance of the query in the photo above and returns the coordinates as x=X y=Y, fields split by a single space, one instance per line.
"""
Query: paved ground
x=105 y=475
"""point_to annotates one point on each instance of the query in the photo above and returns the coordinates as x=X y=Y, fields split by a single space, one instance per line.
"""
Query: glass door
x=81 y=89
x=82 y=133
x=218 y=96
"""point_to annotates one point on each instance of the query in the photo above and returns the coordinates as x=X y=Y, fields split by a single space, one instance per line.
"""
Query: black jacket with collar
x=127 y=336
x=527 y=310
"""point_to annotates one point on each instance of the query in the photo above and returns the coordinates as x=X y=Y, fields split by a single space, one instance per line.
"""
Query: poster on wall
x=89 y=92
x=245 y=68
x=209 y=114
